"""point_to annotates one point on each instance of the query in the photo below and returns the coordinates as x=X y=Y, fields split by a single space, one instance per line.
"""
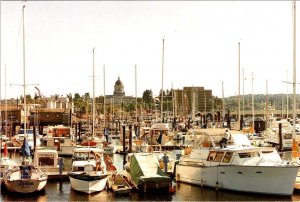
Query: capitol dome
x=119 y=88
x=119 y=82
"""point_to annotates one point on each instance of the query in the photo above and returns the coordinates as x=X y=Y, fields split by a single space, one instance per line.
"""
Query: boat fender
x=178 y=177
x=217 y=186
x=202 y=183
x=172 y=188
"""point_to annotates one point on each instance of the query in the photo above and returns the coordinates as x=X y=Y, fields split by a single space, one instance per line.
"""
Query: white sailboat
x=84 y=177
x=25 y=178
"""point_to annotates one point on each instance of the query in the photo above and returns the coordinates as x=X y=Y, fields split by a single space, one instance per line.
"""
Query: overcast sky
x=201 y=45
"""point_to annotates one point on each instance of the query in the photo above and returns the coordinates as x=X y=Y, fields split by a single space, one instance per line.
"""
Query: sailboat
x=25 y=178
x=84 y=176
x=90 y=139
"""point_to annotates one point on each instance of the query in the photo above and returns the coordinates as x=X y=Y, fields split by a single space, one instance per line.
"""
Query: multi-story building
x=193 y=98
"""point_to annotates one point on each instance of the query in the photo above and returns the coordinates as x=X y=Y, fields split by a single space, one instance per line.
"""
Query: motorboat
x=84 y=177
x=146 y=173
x=239 y=166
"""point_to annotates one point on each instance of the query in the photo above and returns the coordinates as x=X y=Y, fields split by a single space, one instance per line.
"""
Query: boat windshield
x=83 y=156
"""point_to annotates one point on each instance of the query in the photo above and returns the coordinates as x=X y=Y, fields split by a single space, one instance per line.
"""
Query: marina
x=60 y=190
x=186 y=143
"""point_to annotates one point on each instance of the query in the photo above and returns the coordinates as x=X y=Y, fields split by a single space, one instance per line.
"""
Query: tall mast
x=104 y=94
x=135 y=76
x=287 y=95
x=239 y=80
x=5 y=101
x=252 y=103
x=162 y=83
x=267 y=101
x=24 y=76
x=294 y=68
x=93 y=126
x=0 y=71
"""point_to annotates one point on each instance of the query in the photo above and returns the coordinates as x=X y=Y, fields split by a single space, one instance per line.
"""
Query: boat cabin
x=46 y=160
x=84 y=160
x=60 y=138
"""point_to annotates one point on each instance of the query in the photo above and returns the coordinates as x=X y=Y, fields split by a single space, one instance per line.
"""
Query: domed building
x=119 y=88
x=119 y=96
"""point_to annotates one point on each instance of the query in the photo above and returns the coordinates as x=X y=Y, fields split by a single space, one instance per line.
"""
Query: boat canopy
x=145 y=167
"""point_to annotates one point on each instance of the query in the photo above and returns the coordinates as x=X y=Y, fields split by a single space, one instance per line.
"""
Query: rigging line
x=18 y=37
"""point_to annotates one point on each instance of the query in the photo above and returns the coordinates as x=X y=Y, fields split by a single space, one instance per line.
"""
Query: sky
x=200 y=46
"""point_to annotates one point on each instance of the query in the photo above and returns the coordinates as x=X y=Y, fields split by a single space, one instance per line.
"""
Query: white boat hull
x=25 y=185
x=255 y=179
x=87 y=186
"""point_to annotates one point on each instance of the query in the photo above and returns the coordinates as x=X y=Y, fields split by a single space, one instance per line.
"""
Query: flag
x=159 y=139
x=25 y=148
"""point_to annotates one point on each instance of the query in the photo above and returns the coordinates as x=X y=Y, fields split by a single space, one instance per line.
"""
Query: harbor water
x=61 y=191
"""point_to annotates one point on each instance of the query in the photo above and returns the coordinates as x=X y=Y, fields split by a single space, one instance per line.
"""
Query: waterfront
x=61 y=191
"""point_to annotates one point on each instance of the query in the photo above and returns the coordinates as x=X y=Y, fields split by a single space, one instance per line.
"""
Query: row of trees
x=148 y=102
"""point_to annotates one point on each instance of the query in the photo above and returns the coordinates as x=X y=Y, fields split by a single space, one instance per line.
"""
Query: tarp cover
x=145 y=167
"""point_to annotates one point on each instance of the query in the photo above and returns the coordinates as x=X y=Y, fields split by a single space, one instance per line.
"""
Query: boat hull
x=255 y=179
x=25 y=185
x=88 y=183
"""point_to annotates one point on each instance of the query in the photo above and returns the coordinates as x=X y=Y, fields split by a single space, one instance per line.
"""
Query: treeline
x=82 y=103
x=274 y=101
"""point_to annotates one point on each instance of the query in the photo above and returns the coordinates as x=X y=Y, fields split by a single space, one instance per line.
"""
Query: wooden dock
x=57 y=176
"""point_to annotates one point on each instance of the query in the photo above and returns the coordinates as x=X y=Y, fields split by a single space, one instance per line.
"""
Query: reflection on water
x=61 y=191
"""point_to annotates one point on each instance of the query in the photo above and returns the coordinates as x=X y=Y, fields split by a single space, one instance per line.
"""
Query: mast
x=239 y=80
x=287 y=96
x=24 y=76
x=243 y=93
x=135 y=76
x=93 y=124
x=252 y=103
x=294 y=68
x=0 y=79
x=5 y=101
x=0 y=72
x=104 y=95
x=173 y=102
x=267 y=101
x=223 y=103
x=193 y=105
x=162 y=83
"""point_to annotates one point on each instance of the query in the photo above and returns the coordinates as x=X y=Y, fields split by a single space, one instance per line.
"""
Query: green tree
x=148 y=98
